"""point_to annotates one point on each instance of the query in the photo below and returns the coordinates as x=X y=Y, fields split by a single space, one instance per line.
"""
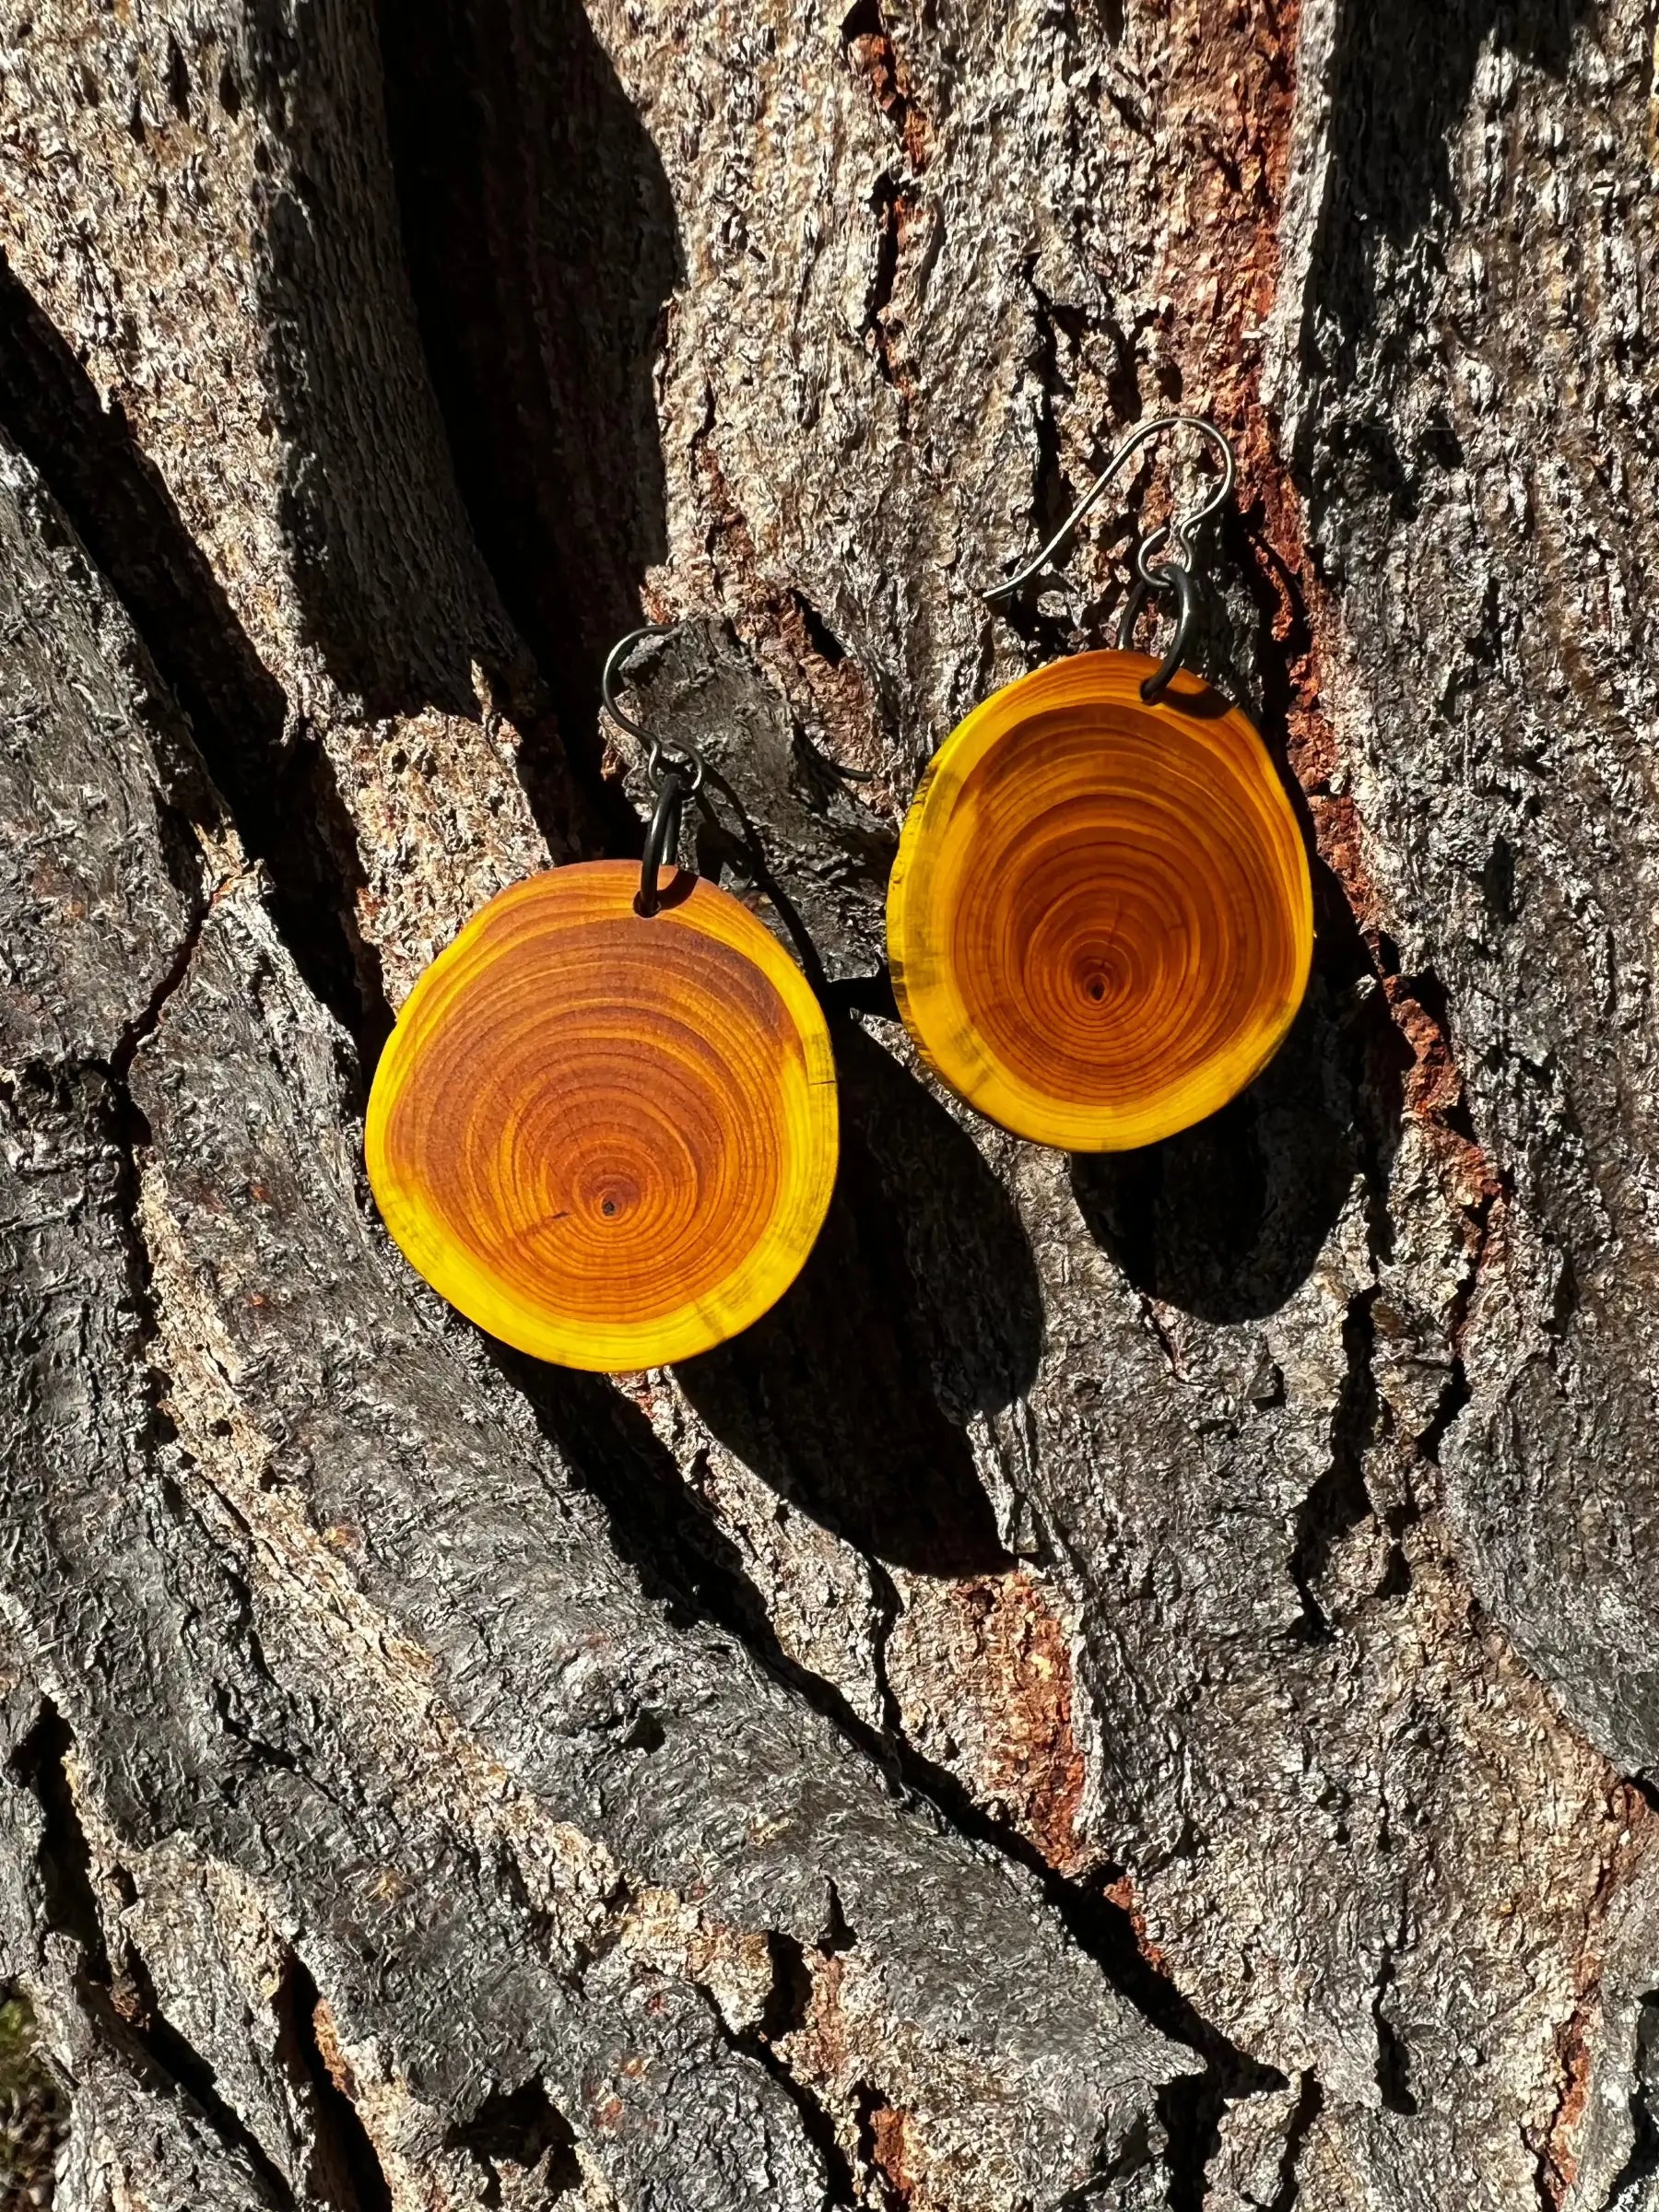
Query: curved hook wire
x=662 y=843
x=663 y=754
x=1178 y=582
x=674 y=765
x=1180 y=531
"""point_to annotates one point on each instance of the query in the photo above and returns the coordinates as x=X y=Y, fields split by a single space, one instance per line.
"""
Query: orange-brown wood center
x=1102 y=920
x=608 y=1139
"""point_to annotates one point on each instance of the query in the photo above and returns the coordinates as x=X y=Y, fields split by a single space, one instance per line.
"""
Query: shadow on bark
x=279 y=786
x=919 y=1306
x=1403 y=77
x=542 y=250
x=683 y=1557
x=1226 y=1220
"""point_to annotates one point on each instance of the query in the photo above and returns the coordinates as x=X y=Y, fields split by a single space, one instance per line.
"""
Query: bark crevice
x=1642 y=2161
x=705 y=317
x=111 y=1981
x=522 y=2127
x=274 y=776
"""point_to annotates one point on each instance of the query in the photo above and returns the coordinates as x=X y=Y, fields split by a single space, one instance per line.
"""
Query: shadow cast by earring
x=1226 y=1221
x=919 y=1305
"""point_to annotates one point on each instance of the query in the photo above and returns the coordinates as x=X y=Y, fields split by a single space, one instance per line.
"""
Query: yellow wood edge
x=812 y=1118
x=971 y=1072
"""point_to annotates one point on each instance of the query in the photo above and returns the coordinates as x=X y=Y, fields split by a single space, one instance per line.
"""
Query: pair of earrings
x=605 y=1126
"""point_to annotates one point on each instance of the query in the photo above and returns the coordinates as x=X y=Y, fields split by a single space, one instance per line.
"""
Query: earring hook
x=1180 y=531
x=674 y=765
x=662 y=753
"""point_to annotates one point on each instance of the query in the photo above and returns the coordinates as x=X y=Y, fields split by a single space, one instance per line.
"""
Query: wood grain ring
x=608 y=1140
x=1100 y=921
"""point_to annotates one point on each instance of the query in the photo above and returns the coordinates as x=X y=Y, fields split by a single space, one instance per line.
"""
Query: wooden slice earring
x=1101 y=920
x=605 y=1126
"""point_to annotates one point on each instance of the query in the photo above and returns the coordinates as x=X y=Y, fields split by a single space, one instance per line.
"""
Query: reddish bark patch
x=1558 y=2161
x=1433 y=1084
x=892 y=2153
x=1633 y=1827
x=821 y=2048
x=1035 y=1766
x=335 y=2063
x=872 y=55
x=1121 y=1894
x=1230 y=101
x=906 y=225
x=609 y=2116
x=1232 y=97
x=1337 y=833
x=982 y=1670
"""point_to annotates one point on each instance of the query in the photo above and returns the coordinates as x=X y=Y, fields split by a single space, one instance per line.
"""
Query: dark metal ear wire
x=1174 y=573
x=675 y=766
x=662 y=842
x=1182 y=530
x=1176 y=579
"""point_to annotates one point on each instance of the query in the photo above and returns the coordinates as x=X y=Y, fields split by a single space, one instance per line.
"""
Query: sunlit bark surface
x=1136 y=1685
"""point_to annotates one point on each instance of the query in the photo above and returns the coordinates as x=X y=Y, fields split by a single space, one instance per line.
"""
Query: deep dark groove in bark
x=542 y=250
x=1191 y=2112
x=344 y=2171
x=1106 y=1932
x=277 y=782
x=192 y=2075
x=1052 y=497
x=1310 y=2102
x=137 y=2031
x=63 y=1859
x=1393 y=2056
x=1339 y=1500
x=518 y=2127
x=816 y=2125
x=1643 y=2160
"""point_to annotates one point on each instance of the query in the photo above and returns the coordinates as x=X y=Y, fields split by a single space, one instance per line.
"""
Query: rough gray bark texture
x=1136 y=1685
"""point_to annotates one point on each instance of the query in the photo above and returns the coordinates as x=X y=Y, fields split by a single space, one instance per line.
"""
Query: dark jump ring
x=662 y=842
x=673 y=756
x=1173 y=578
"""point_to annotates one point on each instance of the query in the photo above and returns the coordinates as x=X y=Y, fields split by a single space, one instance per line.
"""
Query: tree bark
x=1135 y=1685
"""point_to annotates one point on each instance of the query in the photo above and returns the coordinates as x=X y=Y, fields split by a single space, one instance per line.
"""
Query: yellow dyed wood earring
x=605 y=1126
x=1100 y=921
